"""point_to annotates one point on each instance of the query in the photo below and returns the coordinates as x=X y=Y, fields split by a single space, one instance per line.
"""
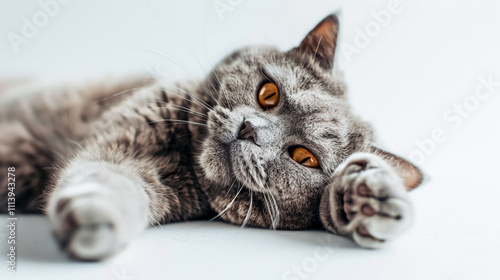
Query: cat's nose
x=247 y=132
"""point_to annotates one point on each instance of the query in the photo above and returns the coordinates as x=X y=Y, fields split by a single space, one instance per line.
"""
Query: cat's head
x=279 y=129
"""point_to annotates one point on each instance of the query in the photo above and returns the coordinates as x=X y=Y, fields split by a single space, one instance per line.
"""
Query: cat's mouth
x=246 y=166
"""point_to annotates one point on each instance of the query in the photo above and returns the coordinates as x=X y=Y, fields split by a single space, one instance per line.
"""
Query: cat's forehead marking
x=321 y=127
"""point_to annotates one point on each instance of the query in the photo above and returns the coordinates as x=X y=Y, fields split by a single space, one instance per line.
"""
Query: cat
x=266 y=140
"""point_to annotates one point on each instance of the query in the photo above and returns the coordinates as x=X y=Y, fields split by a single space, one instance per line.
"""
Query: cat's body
x=115 y=163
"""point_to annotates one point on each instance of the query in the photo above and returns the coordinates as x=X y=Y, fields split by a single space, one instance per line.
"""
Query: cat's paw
x=88 y=223
x=368 y=201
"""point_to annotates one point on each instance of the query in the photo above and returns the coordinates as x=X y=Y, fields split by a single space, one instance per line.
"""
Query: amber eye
x=268 y=96
x=304 y=157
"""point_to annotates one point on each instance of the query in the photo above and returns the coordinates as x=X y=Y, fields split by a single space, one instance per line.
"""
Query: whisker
x=317 y=47
x=225 y=95
x=203 y=69
x=114 y=95
x=173 y=120
x=61 y=156
x=178 y=106
x=230 y=188
x=249 y=213
x=268 y=207
x=189 y=49
x=76 y=143
x=276 y=212
x=228 y=206
x=120 y=102
x=178 y=64
x=183 y=109
x=192 y=95
x=183 y=97
x=213 y=71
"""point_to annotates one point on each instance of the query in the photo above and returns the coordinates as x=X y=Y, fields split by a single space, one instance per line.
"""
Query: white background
x=404 y=79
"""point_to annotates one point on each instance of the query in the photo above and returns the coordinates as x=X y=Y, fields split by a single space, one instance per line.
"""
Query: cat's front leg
x=96 y=208
x=367 y=200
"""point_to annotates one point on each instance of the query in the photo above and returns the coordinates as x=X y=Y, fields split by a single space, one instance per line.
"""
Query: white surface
x=428 y=57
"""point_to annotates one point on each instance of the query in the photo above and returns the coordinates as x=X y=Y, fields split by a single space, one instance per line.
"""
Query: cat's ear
x=412 y=175
x=322 y=41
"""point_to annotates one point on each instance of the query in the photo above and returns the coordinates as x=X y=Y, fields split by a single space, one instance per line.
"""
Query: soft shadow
x=35 y=241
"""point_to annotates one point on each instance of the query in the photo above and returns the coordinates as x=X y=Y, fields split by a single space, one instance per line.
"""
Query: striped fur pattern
x=106 y=161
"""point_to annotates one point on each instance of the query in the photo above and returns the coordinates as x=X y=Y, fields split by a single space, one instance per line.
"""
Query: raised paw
x=368 y=201
x=88 y=223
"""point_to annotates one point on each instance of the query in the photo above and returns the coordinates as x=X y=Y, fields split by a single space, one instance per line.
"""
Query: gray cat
x=266 y=140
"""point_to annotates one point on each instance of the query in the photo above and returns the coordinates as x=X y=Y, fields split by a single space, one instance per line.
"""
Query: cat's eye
x=304 y=157
x=268 y=96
